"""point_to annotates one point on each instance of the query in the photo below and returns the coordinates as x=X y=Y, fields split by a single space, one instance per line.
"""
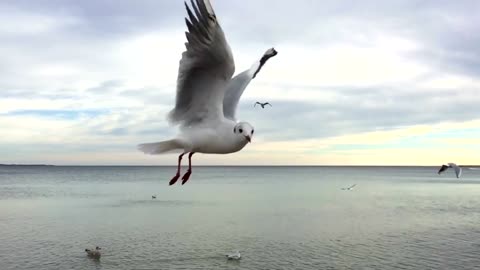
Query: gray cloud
x=448 y=32
x=106 y=19
x=359 y=110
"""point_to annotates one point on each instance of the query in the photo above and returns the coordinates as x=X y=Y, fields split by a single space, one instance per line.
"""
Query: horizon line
x=273 y=165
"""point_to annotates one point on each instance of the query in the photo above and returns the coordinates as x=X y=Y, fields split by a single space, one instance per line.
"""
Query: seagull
x=458 y=170
x=350 y=187
x=207 y=96
x=154 y=197
x=94 y=253
x=234 y=256
x=262 y=104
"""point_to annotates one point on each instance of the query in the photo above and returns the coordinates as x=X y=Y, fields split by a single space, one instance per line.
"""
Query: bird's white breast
x=214 y=140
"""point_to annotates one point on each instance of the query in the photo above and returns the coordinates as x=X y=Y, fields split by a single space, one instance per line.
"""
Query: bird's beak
x=249 y=139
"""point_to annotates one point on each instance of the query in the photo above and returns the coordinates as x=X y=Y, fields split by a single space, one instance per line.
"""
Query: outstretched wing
x=238 y=84
x=205 y=69
x=442 y=169
x=458 y=171
x=233 y=93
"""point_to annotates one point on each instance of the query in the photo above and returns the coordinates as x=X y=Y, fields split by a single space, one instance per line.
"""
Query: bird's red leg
x=186 y=176
x=175 y=178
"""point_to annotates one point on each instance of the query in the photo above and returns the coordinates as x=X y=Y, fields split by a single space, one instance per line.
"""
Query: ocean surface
x=277 y=217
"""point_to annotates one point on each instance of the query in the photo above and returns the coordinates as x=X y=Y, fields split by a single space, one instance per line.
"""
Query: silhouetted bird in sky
x=262 y=104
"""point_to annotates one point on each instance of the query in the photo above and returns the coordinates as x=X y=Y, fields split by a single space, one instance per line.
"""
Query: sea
x=276 y=217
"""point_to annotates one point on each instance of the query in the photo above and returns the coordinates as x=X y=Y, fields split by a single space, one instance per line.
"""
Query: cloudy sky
x=354 y=83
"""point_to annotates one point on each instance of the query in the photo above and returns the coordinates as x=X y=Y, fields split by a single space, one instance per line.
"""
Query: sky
x=355 y=82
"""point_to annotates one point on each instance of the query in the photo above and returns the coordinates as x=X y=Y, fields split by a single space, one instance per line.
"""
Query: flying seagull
x=262 y=104
x=207 y=95
x=350 y=187
x=458 y=170
x=154 y=197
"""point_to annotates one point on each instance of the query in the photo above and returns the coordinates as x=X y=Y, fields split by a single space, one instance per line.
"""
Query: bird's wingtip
x=271 y=52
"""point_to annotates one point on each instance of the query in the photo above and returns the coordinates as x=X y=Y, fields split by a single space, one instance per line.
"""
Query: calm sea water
x=278 y=217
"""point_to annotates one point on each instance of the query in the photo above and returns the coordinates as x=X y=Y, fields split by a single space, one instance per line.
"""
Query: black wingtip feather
x=197 y=12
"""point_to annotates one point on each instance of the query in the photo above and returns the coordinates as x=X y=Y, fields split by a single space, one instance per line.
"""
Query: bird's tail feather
x=160 y=147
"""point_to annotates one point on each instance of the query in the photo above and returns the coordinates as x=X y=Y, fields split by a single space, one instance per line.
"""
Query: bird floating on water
x=458 y=170
x=207 y=95
x=234 y=256
x=94 y=253
x=262 y=104
x=350 y=187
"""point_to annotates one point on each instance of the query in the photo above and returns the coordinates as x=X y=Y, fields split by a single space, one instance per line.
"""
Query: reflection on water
x=279 y=217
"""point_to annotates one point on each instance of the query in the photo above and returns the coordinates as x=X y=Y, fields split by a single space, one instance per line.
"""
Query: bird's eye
x=253 y=131
x=240 y=130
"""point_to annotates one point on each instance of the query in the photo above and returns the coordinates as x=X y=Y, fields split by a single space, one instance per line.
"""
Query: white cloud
x=342 y=65
x=150 y=58
x=15 y=22
x=450 y=81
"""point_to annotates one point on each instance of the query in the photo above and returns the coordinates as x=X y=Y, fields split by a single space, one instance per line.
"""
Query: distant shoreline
x=38 y=165
x=238 y=166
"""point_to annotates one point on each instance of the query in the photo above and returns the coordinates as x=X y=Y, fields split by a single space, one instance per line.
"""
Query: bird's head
x=245 y=130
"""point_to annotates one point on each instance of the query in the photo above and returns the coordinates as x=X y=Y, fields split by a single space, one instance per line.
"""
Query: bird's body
x=94 y=253
x=350 y=187
x=262 y=104
x=215 y=139
x=207 y=96
x=458 y=170
x=234 y=256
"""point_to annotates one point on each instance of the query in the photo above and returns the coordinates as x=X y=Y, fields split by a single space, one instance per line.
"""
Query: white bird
x=94 y=253
x=458 y=170
x=350 y=187
x=207 y=95
x=234 y=256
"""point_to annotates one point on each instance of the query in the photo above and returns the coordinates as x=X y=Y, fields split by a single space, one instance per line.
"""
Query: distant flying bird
x=350 y=187
x=458 y=170
x=154 y=197
x=234 y=256
x=207 y=95
x=94 y=253
x=262 y=104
